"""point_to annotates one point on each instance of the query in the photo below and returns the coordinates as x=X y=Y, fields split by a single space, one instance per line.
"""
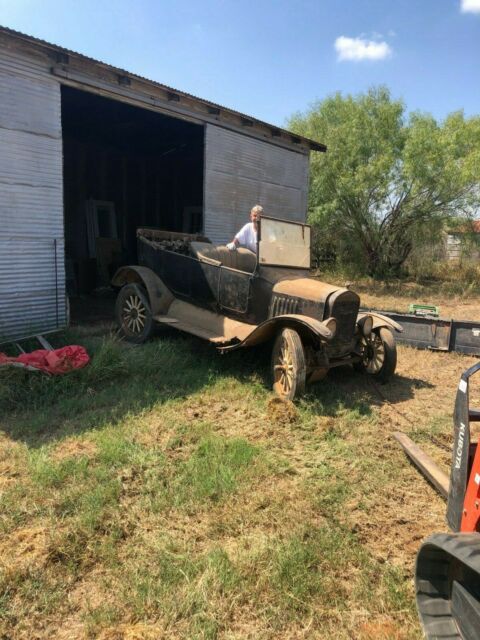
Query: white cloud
x=360 y=49
x=470 y=6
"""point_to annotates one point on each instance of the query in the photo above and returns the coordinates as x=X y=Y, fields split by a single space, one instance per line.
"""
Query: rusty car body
x=239 y=299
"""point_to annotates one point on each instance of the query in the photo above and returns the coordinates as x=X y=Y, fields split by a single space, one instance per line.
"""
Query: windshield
x=283 y=243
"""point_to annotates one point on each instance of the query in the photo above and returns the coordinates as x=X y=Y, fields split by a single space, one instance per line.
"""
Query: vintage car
x=239 y=299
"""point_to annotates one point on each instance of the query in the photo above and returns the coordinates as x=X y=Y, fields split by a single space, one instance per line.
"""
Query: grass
x=160 y=492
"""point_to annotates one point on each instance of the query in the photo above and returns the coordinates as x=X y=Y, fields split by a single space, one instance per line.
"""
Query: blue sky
x=270 y=59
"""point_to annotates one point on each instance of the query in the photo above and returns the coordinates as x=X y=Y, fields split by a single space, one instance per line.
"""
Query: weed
x=213 y=470
x=96 y=618
x=48 y=474
x=308 y=565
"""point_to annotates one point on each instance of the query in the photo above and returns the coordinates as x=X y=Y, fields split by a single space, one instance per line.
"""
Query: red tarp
x=54 y=362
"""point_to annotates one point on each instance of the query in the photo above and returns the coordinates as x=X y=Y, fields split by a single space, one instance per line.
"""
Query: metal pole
x=56 y=280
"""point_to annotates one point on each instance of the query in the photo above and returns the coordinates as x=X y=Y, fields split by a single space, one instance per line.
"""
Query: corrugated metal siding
x=29 y=299
x=40 y=112
x=240 y=172
x=32 y=274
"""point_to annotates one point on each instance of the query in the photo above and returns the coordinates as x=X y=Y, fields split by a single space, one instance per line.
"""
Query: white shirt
x=247 y=237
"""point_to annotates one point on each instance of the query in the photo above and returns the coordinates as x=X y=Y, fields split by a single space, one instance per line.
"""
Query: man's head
x=256 y=213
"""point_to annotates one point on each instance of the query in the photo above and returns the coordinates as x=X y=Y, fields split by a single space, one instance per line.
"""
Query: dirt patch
x=12 y=468
x=24 y=549
x=91 y=592
x=393 y=534
x=276 y=506
x=203 y=409
x=381 y=630
x=325 y=424
x=233 y=419
x=9 y=474
x=131 y=632
x=74 y=449
x=282 y=411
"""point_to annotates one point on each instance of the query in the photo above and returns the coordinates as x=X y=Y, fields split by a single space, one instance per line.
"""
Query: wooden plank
x=424 y=463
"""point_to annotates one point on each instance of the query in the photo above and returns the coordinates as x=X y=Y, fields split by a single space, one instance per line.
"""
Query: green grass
x=163 y=492
x=213 y=470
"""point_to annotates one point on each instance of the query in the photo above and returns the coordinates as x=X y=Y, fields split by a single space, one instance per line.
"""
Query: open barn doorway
x=124 y=167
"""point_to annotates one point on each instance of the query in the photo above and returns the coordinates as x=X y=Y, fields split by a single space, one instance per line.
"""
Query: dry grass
x=456 y=300
x=180 y=499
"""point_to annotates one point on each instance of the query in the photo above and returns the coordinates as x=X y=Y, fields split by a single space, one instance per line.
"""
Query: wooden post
x=424 y=463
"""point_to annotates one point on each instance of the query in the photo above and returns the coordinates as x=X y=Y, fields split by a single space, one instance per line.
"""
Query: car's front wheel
x=133 y=314
x=379 y=354
x=288 y=365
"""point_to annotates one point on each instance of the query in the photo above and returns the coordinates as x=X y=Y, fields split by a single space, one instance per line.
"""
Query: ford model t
x=239 y=299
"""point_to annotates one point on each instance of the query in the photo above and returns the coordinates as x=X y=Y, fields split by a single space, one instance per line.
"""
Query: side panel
x=32 y=273
x=234 y=290
x=240 y=172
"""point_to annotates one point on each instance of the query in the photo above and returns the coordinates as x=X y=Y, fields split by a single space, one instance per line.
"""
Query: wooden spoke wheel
x=133 y=314
x=288 y=365
x=379 y=354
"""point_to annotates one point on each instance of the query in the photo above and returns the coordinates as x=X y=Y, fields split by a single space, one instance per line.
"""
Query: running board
x=205 y=324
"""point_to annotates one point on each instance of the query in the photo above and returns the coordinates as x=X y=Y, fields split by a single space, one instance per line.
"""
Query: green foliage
x=386 y=179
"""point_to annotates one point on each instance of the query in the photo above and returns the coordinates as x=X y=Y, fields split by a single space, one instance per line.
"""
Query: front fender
x=380 y=320
x=159 y=295
x=307 y=328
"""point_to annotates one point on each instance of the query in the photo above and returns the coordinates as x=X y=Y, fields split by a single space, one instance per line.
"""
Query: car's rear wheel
x=133 y=314
x=379 y=354
x=288 y=365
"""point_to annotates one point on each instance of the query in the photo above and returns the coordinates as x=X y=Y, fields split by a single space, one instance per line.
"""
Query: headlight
x=366 y=324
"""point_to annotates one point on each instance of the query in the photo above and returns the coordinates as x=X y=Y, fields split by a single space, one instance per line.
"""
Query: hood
x=306 y=289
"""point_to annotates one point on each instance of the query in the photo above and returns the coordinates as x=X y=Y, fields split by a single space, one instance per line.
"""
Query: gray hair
x=257 y=209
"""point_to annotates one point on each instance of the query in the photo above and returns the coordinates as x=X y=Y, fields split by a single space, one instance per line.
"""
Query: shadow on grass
x=121 y=380
x=347 y=390
x=124 y=380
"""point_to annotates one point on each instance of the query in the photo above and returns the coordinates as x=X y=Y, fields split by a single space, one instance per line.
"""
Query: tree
x=387 y=178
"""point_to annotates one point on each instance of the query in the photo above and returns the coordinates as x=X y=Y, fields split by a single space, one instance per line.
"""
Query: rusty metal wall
x=241 y=171
x=32 y=273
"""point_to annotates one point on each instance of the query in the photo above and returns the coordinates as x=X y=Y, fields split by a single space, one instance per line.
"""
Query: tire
x=288 y=365
x=133 y=314
x=379 y=355
x=447 y=574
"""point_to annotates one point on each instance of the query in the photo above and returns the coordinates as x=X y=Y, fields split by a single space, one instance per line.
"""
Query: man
x=247 y=236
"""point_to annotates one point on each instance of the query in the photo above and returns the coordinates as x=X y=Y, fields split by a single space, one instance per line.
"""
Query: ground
x=164 y=492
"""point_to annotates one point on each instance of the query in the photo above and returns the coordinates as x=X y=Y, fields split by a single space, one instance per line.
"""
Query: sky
x=270 y=59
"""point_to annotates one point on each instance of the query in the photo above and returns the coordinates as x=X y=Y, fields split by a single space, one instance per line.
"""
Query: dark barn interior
x=124 y=168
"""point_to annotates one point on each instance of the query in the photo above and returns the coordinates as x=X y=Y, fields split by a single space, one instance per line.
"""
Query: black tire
x=133 y=314
x=288 y=365
x=379 y=355
x=447 y=575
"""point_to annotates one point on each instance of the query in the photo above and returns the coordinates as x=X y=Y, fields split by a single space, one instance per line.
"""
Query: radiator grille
x=282 y=304
x=345 y=313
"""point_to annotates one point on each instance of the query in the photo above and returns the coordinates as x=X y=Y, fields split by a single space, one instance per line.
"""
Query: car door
x=234 y=290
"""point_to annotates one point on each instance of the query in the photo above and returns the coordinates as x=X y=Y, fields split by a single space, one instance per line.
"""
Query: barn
x=90 y=152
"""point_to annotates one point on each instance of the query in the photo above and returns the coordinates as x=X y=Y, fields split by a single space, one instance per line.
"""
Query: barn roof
x=62 y=55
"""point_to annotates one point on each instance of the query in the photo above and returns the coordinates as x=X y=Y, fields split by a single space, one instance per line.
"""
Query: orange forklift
x=447 y=574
